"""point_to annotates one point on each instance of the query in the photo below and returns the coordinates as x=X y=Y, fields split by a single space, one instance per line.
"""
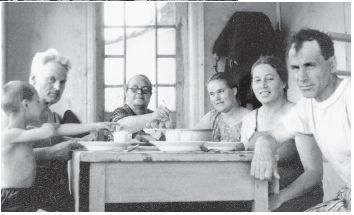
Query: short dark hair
x=324 y=41
x=13 y=93
x=228 y=79
x=279 y=67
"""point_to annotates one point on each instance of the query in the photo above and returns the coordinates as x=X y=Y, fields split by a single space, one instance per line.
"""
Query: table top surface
x=157 y=156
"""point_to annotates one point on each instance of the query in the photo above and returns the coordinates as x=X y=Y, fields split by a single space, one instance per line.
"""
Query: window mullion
x=114 y=54
x=124 y=52
x=156 y=59
x=166 y=56
x=140 y=26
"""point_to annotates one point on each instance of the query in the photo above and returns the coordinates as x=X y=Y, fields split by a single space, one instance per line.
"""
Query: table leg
x=97 y=187
x=260 y=203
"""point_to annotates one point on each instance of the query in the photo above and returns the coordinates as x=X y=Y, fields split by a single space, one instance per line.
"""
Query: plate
x=145 y=148
x=178 y=146
x=152 y=130
x=183 y=134
x=225 y=146
x=104 y=146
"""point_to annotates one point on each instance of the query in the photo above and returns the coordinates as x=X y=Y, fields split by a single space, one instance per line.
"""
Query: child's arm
x=72 y=129
x=89 y=137
x=15 y=135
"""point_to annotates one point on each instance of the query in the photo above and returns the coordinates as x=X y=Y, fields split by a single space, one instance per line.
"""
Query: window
x=342 y=52
x=140 y=39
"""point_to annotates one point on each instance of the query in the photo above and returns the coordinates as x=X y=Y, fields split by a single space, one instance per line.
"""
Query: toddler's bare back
x=18 y=165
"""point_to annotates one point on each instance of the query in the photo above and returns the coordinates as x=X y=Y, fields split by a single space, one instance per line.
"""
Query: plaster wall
x=330 y=17
x=35 y=27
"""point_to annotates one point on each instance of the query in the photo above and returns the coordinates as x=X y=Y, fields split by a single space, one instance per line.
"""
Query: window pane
x=152 y=104
x=166 y=13
x=166 y=41
x=140 y=14
x=113 y=13
x=169 y=95
x=340 y=53
x=114 y=71
x=166 y=70
x=141 y=55
x=113 y=40
x=113 y=98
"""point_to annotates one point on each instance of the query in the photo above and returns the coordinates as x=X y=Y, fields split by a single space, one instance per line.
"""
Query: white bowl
x=222 y=146
x=187 y=134
x=180 y=146
x=103 y=146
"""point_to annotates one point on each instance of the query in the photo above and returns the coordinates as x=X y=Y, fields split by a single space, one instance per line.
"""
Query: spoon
x=134 y=147
x=206 y=149
x=169 y=116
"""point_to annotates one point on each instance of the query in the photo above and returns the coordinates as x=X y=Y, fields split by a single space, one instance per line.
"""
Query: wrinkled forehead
x=292 y=51
x=53 y=69
x=139 y=81
x=308 y=49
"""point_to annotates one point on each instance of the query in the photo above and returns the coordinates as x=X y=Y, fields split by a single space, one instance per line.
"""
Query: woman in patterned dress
x=226 y=118
x=134 y=115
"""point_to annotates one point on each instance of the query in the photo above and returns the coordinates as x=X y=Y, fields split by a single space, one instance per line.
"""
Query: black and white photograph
x=175 y=106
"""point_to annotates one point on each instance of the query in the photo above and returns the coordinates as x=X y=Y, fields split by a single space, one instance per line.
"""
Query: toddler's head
x=19 y=94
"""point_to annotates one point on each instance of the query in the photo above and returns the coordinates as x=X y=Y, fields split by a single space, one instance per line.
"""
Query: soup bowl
x=184 y=134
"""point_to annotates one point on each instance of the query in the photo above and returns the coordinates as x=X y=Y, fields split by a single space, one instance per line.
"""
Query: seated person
x=226 y=122
x=21 y=103
x=226 y=119
x=300 y=176
x=49 y=76
x=324 y=112
x=134 y=115
x=223 y=91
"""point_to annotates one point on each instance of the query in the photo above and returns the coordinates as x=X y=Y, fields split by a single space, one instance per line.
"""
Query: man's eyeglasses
x=144 y=90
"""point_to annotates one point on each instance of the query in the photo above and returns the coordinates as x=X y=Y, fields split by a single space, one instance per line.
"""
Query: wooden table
x=154 y=176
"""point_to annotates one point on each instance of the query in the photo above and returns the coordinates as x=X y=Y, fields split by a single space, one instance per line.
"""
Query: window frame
x=190 y=48
x=178 y=57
